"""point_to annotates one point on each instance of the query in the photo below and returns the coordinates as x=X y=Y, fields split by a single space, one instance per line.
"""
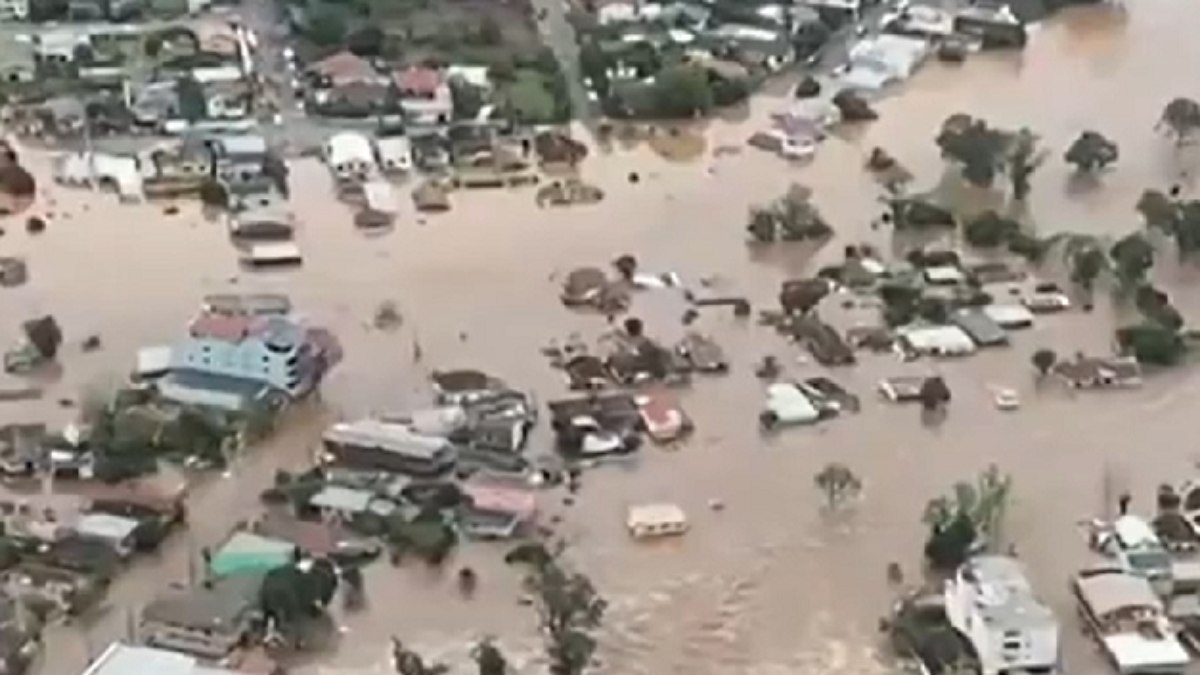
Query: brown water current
x=770 y=584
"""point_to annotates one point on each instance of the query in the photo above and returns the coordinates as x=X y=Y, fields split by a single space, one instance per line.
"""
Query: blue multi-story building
x=231 y=358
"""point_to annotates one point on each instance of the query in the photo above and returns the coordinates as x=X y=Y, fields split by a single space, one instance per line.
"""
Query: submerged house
x=207 y=621
x=246 y=358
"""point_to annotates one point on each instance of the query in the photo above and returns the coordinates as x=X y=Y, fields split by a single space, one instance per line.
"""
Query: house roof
x=217 y=607
x=344 y=67
x=241 y=145
x=249 y=553
x=1111 y=590
x=14 y=55
x=123 y=659
x=503 y=499
x=419 y=80
x=230 y=328
x=105 y=526
x=1006 y=598
x=341 y=498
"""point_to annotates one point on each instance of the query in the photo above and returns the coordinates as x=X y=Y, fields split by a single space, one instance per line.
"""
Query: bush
x=989 y=230
x=214 y=194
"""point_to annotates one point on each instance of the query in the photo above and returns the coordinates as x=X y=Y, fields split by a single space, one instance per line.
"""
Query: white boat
x=1006 y=399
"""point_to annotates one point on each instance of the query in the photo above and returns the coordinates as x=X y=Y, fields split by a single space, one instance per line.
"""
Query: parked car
x=920 y=632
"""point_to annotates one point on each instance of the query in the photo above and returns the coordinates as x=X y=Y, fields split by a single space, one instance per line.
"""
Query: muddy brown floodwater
x=769 y=584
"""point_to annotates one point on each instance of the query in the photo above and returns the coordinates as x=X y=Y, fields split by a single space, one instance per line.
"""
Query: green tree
x=682 y=91
x=193 y=104
x=1180 y=118
x=1132 y=256
x=294 y=593
x=935 y=394
x=1151 y=343
x=978 y=148
x=1158 y=211
x=569 y=610
x=989 y=230
x=594 y=64
x=1044 y=360
x=467 y=98
x=489 y=659
x=762 y=227
x=838 y=483
x=971 y=516
x=213 y=194
x=326 y=26
x=899 y=302
x=1028 y=247
x=1156 y=307
x=1091 y=151
x=1085 y=260
x=489 y=33
x=1023 y=160
x=153 y=45
x=366 y=41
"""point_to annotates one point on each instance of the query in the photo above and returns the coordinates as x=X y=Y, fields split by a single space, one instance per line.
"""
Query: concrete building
x=273 y=350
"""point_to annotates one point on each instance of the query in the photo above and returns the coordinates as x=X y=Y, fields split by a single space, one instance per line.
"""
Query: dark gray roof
x=217 y=608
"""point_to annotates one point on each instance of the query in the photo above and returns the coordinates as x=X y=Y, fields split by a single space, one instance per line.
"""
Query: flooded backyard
x=769 y=584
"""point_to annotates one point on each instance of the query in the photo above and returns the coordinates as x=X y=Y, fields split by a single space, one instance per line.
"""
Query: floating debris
x=13 y=272
x=387 y=316
x=35 y=225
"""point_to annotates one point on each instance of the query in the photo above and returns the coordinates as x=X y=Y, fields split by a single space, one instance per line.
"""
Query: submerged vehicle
x=786 y=406
x=1123 y=614
x=919 y=632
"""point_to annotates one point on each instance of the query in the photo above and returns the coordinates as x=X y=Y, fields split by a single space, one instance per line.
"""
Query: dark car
x=919 y=630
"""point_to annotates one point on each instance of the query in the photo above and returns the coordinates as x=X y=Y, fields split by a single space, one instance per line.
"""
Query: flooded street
x=770 y=584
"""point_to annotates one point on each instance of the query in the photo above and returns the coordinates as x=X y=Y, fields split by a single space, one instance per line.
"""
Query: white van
x=656 y=520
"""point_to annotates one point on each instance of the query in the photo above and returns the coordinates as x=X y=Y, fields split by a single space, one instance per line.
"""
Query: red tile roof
x=344 y=68
x=221 y=327
x=418 y=80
